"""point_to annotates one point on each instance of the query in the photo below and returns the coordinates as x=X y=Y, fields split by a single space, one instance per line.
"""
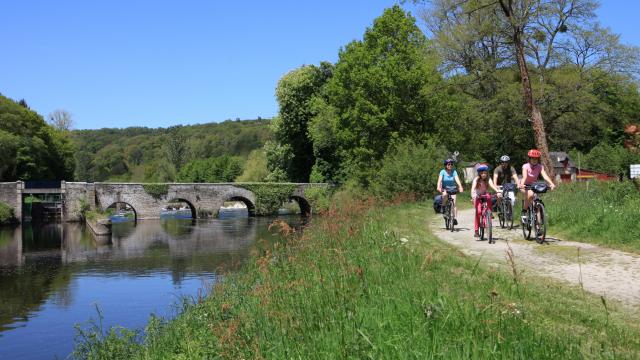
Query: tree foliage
x=212 y=170
x=31 y=149
x=295 y=93
x=157 y=155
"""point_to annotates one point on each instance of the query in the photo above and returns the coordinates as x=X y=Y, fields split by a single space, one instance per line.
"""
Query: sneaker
x=455 y=221
x=476 y=234
x=523 y=217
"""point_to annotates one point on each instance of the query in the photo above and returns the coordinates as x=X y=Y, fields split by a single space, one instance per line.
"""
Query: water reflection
x=51 y=276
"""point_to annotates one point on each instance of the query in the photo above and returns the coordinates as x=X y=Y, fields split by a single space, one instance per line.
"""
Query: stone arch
x=194 y=213
x=305 y=207
x=251 y=208
x=135 y=212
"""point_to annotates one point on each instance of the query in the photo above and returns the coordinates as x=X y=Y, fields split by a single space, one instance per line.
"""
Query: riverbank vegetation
x=604 y=213
x=369 y=280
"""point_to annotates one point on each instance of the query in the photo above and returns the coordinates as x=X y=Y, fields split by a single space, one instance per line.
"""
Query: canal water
x=54 y=276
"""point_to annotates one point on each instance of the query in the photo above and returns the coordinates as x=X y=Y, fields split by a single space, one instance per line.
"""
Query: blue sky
x=160 y=63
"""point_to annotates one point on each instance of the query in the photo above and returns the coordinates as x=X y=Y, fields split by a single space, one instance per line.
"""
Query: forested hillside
x=207 y=152
x=29 y=148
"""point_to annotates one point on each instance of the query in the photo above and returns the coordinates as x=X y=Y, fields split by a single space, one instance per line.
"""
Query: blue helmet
x=482 y=168
x=448 y=161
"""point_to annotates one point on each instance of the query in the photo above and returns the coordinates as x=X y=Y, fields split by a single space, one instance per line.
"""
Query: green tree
x=295 y=93
x=409 y=168
x=30 y=148
x=382 y=89
x=255 y=168
x=212 y=170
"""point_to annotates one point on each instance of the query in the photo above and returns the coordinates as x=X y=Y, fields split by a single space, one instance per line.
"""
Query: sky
x=164 y=63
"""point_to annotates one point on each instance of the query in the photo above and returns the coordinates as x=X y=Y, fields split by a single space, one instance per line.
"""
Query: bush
x=156 y=190
x=409 y=168
x=6 y=214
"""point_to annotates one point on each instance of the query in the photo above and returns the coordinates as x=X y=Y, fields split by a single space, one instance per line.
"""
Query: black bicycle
x=447 y=208
x=536 y=218
x=505 y=210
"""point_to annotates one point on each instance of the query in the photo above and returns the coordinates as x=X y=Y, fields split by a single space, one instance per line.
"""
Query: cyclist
x=448 y=177
x=480 y=189
x=531 y=171
x=503 y=174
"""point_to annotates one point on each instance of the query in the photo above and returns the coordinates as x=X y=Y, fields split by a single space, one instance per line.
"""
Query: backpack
x=437 y=204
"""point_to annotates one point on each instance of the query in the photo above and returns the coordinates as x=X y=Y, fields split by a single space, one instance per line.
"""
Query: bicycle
x=447 y=208
x=505 y=210
x=485 y=227
x=536 y=215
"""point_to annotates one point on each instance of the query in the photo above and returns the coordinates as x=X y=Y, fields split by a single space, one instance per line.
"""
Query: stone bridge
x=147 y=200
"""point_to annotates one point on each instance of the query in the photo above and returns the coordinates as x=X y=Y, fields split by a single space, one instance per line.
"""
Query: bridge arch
x=135 y=212
x=251 y=208
x=194 y=213
x=305 y=207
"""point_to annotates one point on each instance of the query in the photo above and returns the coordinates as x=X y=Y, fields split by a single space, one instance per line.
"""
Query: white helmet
x=505 y=158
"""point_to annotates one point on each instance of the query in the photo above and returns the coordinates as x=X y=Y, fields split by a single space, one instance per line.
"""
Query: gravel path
x=611 y=273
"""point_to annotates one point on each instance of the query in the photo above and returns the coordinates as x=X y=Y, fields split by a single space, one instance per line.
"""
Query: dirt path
x=611 y=273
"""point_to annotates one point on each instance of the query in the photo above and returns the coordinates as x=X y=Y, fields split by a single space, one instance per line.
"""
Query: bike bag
x=539 y=188
x=451 y=190
x=509 y=187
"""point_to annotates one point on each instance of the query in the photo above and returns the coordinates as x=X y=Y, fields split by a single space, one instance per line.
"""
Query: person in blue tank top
x=448 y=177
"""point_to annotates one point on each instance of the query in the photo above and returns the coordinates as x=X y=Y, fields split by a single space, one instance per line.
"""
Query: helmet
x=448 y=161
x=534 y=153
x=505 y=158
x=482 y=168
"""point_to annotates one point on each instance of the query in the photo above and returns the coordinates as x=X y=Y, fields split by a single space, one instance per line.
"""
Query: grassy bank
x=370 y=281
x=606 y=213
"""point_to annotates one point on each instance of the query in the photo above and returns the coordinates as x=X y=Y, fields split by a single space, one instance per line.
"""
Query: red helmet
x=533 y=153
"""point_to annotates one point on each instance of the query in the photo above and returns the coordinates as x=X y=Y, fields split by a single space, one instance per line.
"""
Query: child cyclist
x=479 y=190
x=531 y=171
x=448 y=177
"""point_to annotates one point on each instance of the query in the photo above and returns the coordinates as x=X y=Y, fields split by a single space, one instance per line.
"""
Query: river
x=54 y=276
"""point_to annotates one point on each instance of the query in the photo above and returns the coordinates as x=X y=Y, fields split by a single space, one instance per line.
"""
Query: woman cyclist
x=504 y=174
x=448 y=177
x=531 y=171
x=479 y=190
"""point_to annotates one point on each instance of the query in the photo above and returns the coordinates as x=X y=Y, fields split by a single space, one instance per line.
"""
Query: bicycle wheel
x=489 y=227
x=526 y=226
x=445 y=215
x=508 y=215
x=451 y=217
x=502 y=213
x=541 y=225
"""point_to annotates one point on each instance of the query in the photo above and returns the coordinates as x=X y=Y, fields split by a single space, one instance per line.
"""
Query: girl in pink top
x=531 y=171
x=480 y=189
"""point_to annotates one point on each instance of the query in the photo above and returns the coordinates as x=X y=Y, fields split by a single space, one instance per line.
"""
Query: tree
x=295 y=93
x=382 y=90
x=30 y=148
x=61 y=120
x=176 y=149
x=255 y=168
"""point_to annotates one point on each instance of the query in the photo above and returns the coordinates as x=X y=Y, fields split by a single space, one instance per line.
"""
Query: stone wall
x=75 y=195
x=8 y=193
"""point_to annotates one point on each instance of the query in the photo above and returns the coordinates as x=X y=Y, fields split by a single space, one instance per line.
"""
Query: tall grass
x=606 y=213
x=368 y=280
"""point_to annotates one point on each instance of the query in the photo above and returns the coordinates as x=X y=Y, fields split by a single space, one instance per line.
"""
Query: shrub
x=409 y=168
x=156 y=190
x=6 y=213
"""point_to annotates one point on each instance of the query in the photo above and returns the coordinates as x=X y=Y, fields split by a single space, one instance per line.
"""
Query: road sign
x=634 y=171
